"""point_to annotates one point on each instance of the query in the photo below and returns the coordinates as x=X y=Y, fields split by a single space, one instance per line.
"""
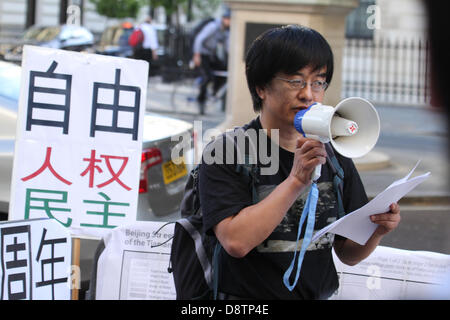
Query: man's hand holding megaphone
x=309 y=154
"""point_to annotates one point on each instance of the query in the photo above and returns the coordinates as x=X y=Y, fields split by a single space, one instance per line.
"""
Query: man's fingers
x=311 y=147
x=392 y=216
x=384 y=220
x=395 y=208
x=300 y=141
x=307 y=143
x=314 y=162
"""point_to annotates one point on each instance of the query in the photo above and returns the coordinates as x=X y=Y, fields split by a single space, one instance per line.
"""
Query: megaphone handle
x=316 y=173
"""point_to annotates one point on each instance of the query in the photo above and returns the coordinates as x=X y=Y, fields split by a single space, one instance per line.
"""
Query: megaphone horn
x=352 y=127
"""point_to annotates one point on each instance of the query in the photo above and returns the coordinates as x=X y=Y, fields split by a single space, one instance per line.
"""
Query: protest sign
x=134 y=264
x=393 y=274
x=79 y=139
x=35 y=260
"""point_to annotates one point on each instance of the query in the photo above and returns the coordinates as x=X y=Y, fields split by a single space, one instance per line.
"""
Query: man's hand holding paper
x=387 y=221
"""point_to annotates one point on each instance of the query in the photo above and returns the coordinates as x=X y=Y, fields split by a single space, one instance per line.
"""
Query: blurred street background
x=408 y=134
x=384 y=57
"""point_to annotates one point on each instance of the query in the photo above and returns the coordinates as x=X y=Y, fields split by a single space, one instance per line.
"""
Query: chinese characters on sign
x=35 y=260
x=79 y=142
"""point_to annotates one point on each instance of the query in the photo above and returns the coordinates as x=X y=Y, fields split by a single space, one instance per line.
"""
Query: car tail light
x=150 y=157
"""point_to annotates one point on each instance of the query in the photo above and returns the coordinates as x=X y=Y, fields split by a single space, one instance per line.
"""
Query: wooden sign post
x=75 y=274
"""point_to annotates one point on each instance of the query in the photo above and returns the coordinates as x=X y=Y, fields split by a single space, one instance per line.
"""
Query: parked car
x=114 y=41
x=68 y=37
x=159 y=197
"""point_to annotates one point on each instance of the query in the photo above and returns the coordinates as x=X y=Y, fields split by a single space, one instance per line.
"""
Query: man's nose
x=306 y=93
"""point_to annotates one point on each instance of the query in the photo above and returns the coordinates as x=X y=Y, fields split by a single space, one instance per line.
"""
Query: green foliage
x=117 y=8
x=169 y=5
x=205 y=8
x=130 y=8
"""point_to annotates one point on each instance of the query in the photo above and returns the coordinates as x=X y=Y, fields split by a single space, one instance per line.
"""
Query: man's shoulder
x=210 y=27
x=234 y=146
x=240 y=131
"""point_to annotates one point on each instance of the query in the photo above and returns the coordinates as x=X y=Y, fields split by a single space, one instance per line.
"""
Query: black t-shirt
x=259 y=275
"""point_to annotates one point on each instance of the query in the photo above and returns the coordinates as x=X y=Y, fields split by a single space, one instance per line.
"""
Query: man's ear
x=261 y=92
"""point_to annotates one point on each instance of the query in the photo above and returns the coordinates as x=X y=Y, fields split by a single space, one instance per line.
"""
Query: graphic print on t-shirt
x=284 y=236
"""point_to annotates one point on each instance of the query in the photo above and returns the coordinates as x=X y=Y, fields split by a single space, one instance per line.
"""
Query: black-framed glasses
x=297 y=84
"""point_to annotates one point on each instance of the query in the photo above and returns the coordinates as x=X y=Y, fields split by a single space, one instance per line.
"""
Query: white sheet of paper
x=134 y=264
x=357 y=225
x=391 y=273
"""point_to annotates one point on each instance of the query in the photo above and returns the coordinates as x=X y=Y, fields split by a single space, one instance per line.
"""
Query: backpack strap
x=250 y=167
x=338 y=178
x=216 y=264
x=199 y=249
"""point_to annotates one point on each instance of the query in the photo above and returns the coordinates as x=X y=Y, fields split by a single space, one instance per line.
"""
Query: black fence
x=177 y=54
x=387 y=71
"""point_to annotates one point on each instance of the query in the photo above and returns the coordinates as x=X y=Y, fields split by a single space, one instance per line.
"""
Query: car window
x=108 y=35
x=123 y=39
x=117 y=35
x=32 y=32
x=48 y=34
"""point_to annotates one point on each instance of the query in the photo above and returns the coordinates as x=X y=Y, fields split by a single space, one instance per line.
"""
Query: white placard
x=35 y=260
x=134 y=264
x=393 y=274
x=79 y=139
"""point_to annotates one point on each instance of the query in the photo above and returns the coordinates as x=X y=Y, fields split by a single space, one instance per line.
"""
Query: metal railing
x=387 y=71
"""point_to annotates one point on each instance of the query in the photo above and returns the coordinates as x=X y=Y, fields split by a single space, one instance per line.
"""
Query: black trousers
x=208 y=65
x=144 y=54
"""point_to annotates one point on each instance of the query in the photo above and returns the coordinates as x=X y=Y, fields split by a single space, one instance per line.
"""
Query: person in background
x=208 y=57
x=148 y=50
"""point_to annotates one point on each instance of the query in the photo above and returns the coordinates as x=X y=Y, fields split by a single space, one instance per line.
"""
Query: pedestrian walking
x=210 y=53
x=148 y=49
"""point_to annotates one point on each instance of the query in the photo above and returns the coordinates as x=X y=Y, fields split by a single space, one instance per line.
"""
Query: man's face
x=226 y=23
x=282 y=101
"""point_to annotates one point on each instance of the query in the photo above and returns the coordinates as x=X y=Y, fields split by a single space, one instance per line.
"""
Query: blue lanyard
x=308 y=211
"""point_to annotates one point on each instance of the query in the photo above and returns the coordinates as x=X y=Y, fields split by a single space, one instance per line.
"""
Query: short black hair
x=285 y=49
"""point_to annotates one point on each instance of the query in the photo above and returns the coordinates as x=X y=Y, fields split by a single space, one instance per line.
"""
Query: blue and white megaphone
x=352 y=127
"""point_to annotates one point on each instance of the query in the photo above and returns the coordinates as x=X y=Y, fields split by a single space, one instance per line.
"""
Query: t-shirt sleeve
x=223 y=193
